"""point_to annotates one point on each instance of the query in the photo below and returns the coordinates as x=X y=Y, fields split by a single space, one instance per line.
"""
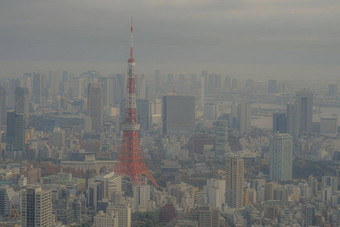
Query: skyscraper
x=222 y=144
x=178 y=115
x=309 y=213
x=36 y=207
x=15 y=138
x=141 y=196
x=292 y=126
x=37 y=88
x=304 y=111
x=203 y=80
x=157 y=81
x=244 y=114
x=53 y=82
x=95 y=105
x=281 y=157
x=22 y=103
x=106 y=89
x=332 y=89
x=234 y=182
x=140 y=86
x=280 y=122
x=3 y=105
x=272 y=86
x=6 y=193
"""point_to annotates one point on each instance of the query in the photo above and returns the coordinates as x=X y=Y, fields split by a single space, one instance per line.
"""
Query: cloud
x=174 y=32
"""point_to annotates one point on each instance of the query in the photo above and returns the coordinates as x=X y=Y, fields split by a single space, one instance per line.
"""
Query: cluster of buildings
x=60 y=136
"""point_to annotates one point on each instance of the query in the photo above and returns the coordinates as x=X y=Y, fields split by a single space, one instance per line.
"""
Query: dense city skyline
x=233 y=135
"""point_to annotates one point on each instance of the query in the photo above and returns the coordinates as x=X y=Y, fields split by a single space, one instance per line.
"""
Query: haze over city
x=131 y=113
x=251 y=38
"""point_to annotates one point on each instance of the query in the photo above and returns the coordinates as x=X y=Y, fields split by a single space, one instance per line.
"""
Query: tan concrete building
x=235 y=182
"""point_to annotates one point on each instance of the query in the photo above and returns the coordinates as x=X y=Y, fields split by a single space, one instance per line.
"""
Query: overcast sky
x=251 y=38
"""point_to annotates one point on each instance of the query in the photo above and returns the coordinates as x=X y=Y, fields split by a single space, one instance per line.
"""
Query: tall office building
x=10 y=86
x=329 y=125
x=140 y=86
x=309 y=213
x=272 y=86
x=234 y=84
x=280 y=122
x=235 y=182
x=227 y=82
x=95 y=105
x=157 y=81
x=6 y=194
x=332 y=89
x=222 y=147
x=170 y=80
x=292 y=126
x=281 y=157
x=106 y=89
x=120 y=83
x=178 y=115
x=269 y=190
x=36 y=207
x=15 y=138
x=95 y=194
x=3 y=105
x=204 y=216
x=313 y=183
x=141 y=196
x=54 y=82
x=123 y=212
x=203 y=80
x=36 y=88
x=244 y=118
x=215 y=192
x=304 y=111
x=22 y=103
x=214 y=82
x=330 y=182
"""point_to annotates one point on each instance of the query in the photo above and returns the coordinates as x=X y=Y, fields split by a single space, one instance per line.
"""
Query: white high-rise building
x=281 y=157
x=105 y=220
x=123 y=211
x=36 y=207
x=215 y=192
x=141 y=196
x=113 y=184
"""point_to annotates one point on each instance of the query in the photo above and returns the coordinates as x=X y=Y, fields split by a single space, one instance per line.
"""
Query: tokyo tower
x=130 y=160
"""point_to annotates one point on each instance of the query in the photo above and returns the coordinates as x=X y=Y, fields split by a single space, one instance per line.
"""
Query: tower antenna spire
x=131 y=42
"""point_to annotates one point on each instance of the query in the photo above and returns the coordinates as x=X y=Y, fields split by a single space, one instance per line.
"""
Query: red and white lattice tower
x=130 y=160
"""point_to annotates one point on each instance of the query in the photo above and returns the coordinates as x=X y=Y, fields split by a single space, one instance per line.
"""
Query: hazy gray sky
x=270 y=38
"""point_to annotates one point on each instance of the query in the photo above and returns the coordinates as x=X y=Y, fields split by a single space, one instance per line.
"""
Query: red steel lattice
x=130 y=160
